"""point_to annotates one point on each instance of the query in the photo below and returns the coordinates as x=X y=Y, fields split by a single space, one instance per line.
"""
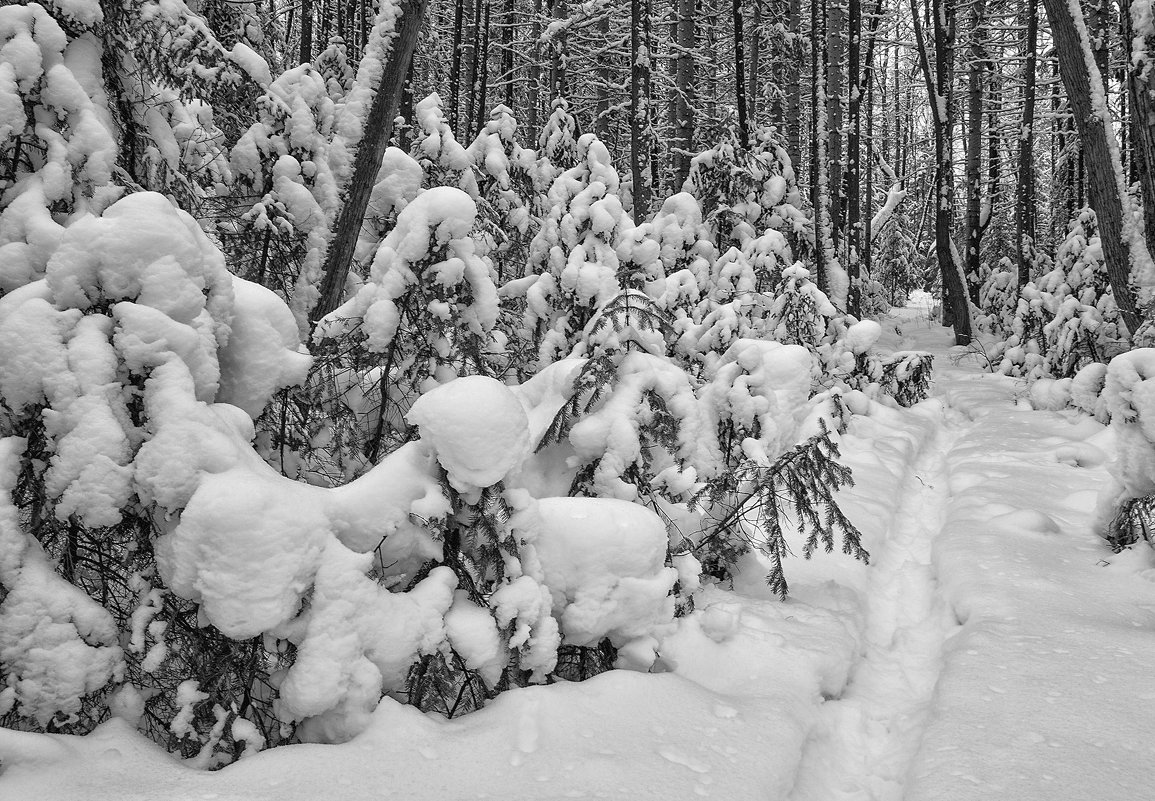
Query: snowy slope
x=994 y=648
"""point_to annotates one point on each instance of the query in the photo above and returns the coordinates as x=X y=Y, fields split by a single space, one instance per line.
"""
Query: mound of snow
x=604 y=562
x=477 y=427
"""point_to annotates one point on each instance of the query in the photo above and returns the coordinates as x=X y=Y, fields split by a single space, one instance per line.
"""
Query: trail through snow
x=865 y=740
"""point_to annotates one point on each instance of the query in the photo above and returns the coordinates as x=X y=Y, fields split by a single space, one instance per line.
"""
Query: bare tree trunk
x=306 y=50
x=1123 y=247
x=558 y=65
x=740 y=75
x=835 y=53
x=818 y=122
x=752 y=77
x=685 y=81
x=794 y=82
x=1141 y=92
x=533 y=91
x=994 y=150
x=852 y=175
x=974 y=231
x=455 y=64
x=939 y=83
x=378 y=127
x=481 y=85
x=473 y=54
x=640 y=107
x=508 y=20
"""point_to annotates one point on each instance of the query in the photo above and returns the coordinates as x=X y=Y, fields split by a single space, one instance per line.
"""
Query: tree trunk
x=640 y=107
x=1141 y=93
x=533 y=90
x=853 y=157
x=939 y=84
x=818 y=174
x=752 y=76
x=836 y=52
x=974 y=231
x=557 y=66
x=994 y=151
x=306 y=50
x=455 y=64
x=740 y=75
x=481 y=85
x=473 y=55
x=1123 y=246
x=378 y=126
x=509 y=18
x=794 y=82
x=686 y=85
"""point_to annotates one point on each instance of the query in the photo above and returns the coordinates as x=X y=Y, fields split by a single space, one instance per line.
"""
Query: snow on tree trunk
x=1127 y=256
x=380 y=79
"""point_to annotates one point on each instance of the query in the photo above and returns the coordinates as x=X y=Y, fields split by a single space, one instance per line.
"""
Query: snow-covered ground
x=994 y=648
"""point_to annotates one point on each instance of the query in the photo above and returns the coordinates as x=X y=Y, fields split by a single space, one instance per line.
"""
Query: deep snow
x=994 y=648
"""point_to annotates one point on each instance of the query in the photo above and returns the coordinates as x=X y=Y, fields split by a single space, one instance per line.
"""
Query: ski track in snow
x=866 y=739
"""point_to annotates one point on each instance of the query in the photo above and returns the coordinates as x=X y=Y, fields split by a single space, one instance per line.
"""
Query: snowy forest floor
x=994 y=648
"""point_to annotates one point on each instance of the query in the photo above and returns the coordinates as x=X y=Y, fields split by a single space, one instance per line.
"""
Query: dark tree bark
x=740 y=75
x=640 y=106
x=533 y=90
x=974 y=230
x=481 y=84
x=455 y=64
x=939 y=85
x=853 y=157
x=1141 y=93
x=752 y=75
x=818 y=138
x=378 y=127
x=835 y=81
x=306 y=50
x=508 y=20
x=559 y=55
x=1025 y=211
x=794 y=82
x=1122 y=248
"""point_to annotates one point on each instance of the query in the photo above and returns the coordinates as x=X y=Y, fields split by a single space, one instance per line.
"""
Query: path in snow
x=866 y=739
x=1007 y=653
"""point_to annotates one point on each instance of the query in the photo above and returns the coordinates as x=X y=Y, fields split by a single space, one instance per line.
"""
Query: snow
x=477 y=428
x=603 y=560
x=990 y=649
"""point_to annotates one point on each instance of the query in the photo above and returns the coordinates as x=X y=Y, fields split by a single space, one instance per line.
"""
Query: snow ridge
x=865 y=740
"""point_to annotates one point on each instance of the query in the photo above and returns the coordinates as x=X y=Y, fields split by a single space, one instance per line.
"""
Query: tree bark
x=640 y=107
x=1123 y=247
x=533 y=90
x=794 y=82
x=740 y=75
x=939 y=84
x=306 y=49
x=686 y=91
x=378 y=126
x=508 y=19
x=852 y=176
x=752 y=75
x=835 y=79
x=818 y=123
x=455 y=64
x=1141 y=94
x=974 y=230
